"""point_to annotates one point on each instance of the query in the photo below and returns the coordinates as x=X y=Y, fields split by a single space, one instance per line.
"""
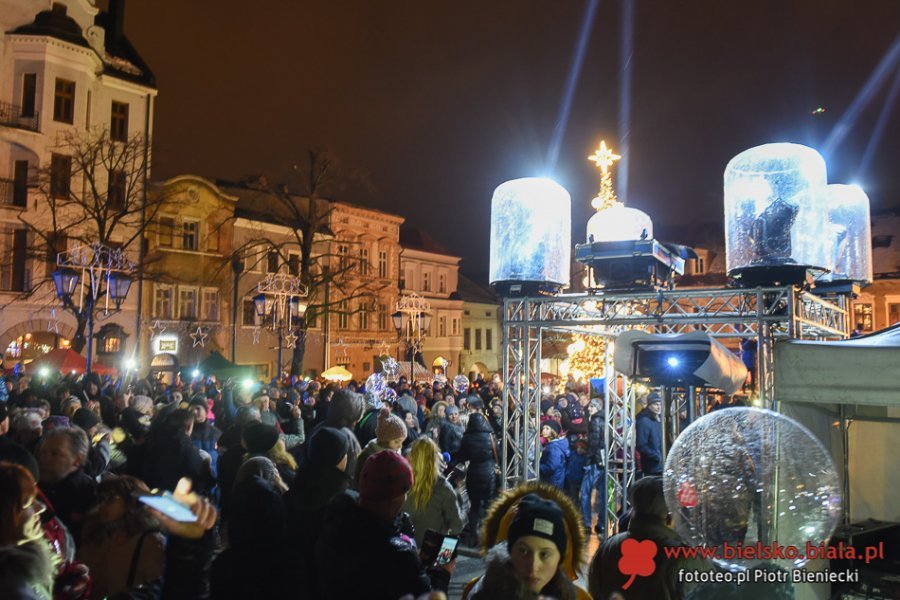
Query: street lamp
x=281 y=301
x=101 y=272
x=412 y=319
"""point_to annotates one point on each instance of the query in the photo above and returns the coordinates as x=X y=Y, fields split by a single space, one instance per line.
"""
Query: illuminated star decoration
x=53 y=324
x=157 y=328
x=199 y=338
x=604 y=158
x=291 y=340
x=256 y=332
x=384 y=349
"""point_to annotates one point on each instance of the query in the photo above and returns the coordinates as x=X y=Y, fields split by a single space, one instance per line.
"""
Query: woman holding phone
x=431 y=502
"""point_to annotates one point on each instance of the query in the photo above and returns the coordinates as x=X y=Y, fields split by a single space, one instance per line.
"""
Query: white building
x=482 y=330
x=65 y=68
x=430 y=271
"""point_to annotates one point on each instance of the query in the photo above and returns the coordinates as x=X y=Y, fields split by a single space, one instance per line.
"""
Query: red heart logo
x=637 y=559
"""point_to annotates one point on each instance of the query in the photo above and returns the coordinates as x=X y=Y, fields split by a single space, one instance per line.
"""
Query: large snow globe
x=848 y=212
x=530 y=237
x=619 y=223
x=776 y=214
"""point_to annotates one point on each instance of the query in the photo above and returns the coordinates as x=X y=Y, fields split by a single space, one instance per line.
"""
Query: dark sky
x=439 y=102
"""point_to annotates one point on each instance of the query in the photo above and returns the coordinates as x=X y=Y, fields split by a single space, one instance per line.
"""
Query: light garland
x=587 y=357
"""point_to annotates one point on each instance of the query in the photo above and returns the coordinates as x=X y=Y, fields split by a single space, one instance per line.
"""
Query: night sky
x=437 y=102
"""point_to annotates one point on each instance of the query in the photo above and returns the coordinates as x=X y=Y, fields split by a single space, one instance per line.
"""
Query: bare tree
x=92 y=191
x=331 y=277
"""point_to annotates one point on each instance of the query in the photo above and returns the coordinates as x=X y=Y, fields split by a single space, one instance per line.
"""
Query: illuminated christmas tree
x=604 y=157
x=587 y=357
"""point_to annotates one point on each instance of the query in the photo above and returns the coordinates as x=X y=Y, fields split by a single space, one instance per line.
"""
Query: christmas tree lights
x=587 y=357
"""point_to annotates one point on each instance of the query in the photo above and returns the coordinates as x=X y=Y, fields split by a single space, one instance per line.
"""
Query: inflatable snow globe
x=848 y=212
x=530 y=237
x=619 y=224
x=776 y=219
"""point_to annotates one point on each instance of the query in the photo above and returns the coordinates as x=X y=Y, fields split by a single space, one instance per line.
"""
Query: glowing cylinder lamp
x=775 y=210
x=530 y=237
x=848 y=212
x=619 y=224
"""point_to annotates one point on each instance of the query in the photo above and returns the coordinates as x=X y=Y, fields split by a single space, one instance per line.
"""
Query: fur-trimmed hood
x=500 y=515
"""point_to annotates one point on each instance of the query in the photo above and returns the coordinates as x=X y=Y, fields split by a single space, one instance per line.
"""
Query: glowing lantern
x=848 y=212
x=619 y=224
x=530 y=237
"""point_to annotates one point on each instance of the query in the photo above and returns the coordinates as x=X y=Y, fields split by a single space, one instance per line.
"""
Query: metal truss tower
x=766 y=314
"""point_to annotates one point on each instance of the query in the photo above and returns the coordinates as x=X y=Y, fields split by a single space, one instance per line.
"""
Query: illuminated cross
x=604 y=157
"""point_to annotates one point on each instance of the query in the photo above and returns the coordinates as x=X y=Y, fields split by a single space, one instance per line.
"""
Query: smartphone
x=167 y=505
x=438 y=549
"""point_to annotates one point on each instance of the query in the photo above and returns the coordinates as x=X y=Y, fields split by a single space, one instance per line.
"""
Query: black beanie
x=259 y=438
x=538 y=517
x=85 y=418
x=327 y=447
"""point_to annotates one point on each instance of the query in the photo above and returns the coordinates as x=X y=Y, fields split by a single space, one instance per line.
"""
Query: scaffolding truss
x=765 y=314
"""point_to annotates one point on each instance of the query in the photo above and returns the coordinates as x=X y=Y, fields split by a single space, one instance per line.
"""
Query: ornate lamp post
x=93 y=273
x=411 y=319
x=281 y=301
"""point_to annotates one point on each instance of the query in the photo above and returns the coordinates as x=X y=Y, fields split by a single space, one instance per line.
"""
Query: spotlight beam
x=884 y=69
x=626 y=54
x=562 y=119
x=879 y=126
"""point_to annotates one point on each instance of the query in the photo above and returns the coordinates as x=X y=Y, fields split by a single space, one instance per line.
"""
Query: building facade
x=430 y=271
x=482 y=330
x=66 y=73
x=878 y=304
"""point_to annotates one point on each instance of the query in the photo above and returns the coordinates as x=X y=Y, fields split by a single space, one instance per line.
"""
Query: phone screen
x=170 y=507
x=448 y=548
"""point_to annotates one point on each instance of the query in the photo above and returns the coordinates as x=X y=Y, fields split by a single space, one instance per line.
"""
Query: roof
x=258 y=203
x=470 y=291
x=119 y=58
x=414 y=238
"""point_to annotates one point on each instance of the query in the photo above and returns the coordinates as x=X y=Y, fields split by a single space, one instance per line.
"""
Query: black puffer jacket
x=450 y=436
x=382 y=564
x=477 y=448
x=596 y=439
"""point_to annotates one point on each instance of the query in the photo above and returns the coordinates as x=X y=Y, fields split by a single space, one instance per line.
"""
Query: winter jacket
x=553 y=462
x=596 y=440
x=206 y=437
x=476 y=447
x=440 y=513
x=171 y=456
x=649 y=442
x=110 y=561
x=372 y=448
x=450 y=436
x=500 y=580
x=365 y=429
x=71 y=498
x=385 y=566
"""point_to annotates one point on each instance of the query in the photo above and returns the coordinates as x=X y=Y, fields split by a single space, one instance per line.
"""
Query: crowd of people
x=298 y=488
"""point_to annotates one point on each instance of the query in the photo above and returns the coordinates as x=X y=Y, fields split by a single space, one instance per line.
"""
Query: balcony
x=13 y=193
x=12 y=116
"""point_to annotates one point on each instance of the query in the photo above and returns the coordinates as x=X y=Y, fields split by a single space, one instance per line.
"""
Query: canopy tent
x=695 y=357
x=218 y=365
x=857 y=380
x=66 y=360
x=337 y=373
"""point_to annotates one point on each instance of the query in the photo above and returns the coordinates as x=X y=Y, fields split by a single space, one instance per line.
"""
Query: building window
x=13 y=250
x=64 y=101
x=29 y=89
x=454 y=326
x=294 y=264
x=701 y=266
x=112 y=345
x=363 y=316
x=272 y=262
x=187 y=303
x=478 y=339
x=882 y=241
x=343 y=315
x=467 y=339
x=118 y=122
x=487 y=313
x=190 y=235
x=442 y=326
x=166 y=231
x=162 y=302
x=60 y=175
x=893 y=310
x=488 y=339
x=116 y=190
x=426 y=282
x=20 y=183
x=442 y=283
x=364 y=261
x=343 y=257
x=862 y=316
x=210 y=304
x=382 y=264
x=382 y=317
x=249 y=318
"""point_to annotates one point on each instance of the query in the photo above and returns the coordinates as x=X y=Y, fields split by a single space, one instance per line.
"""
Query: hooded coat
x=649 y=442
x=553 y=462
x=477 y=447
x=500 y=580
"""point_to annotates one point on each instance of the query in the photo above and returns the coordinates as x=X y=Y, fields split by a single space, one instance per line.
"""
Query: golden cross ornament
x=604 y=157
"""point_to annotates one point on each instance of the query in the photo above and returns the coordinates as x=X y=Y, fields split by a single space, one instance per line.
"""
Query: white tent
x=858 y=379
